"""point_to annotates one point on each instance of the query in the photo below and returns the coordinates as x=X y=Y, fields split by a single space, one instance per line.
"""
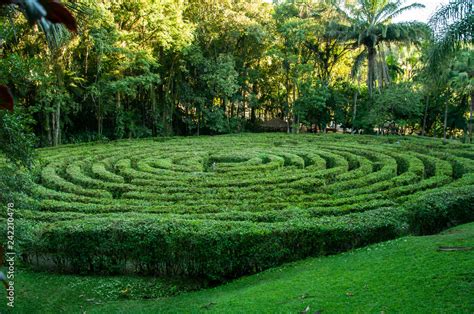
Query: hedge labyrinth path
x=265 y=182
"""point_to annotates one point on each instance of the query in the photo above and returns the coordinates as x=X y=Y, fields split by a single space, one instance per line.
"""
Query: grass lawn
x=407 y=275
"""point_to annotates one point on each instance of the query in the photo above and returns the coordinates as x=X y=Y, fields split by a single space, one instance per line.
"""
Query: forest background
x=171 y=67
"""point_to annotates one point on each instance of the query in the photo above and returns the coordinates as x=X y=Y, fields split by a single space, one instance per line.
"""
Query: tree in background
x=169 y=67
x=16 y=139
x=461 y=83
x=370 y=26
x=453 y=26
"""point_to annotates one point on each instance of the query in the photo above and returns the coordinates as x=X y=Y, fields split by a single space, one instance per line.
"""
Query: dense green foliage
x=224 y=206
x=145 y=68
x=394 y=276
x=16 y=157
x=16 y=142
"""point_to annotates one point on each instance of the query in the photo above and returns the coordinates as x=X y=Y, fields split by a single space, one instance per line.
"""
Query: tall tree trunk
x=153 y=111
x=297 y=123
x=100 y=125
x=471 y=117
x=295 y=115
x=53 y=127
x=425 y=116
x=56 y=119
x=86 y=63
x=445 y=125
x=99 y=116
x=162 y=102
x=57 y=112
x=288 y=97
x=372 y=53
x=386 y=75
x=199 y=121
x=244 y=106
x=253 y=116
x=118 y=104
x=119 y=126
x=354 y=112
x=379 y=77
x=48 y=129
x=167 y=100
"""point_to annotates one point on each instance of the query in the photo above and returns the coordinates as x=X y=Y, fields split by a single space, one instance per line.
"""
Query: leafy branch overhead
x=44 y=13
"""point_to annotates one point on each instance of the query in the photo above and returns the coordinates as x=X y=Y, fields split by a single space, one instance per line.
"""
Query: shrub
x=225 y=206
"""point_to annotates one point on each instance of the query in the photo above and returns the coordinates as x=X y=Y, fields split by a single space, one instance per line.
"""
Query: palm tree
x=370 y=25
x=453 y=26
x=462 y=79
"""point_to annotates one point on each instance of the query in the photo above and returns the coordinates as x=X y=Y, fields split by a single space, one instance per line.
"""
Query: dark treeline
x=173 y=67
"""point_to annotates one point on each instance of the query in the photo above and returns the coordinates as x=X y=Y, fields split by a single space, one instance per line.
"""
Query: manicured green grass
x=407 y=275
x=42 y=292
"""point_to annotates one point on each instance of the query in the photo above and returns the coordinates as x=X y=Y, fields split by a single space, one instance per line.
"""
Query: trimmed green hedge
x=435 y=211
x=226 y=206
x=216 y=250
x=220 y=250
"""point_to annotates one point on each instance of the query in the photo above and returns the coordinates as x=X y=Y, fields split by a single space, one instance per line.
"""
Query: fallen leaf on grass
x=307 y=296
x=208 y=306
x=454 y=248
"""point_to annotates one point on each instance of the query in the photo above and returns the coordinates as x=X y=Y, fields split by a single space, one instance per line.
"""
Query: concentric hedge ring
x=223 y=206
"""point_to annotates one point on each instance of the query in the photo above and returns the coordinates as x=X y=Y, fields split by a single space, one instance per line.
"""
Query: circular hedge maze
x=224 y=206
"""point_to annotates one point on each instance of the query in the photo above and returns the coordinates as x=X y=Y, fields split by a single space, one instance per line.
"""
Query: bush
x=220 y=207
x=216 y=250
x=435 y=211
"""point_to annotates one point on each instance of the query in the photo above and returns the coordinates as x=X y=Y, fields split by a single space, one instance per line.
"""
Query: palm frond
x=456 y=34
x=407 y=32
x=345 y=16
x=56 y=34
x=455 y=10
x=81 y=10
x=389 y=8
x=400 y=11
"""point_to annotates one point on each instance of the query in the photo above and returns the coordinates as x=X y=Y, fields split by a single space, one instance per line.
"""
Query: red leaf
x=6 y=98
x=58 y=13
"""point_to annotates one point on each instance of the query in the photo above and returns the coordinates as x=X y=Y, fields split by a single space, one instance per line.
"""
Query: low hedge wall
x=225 y=206
x=213 y=249
x=219 y=249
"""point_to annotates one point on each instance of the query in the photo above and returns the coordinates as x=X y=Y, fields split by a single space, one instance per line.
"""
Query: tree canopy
x=129 y=69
